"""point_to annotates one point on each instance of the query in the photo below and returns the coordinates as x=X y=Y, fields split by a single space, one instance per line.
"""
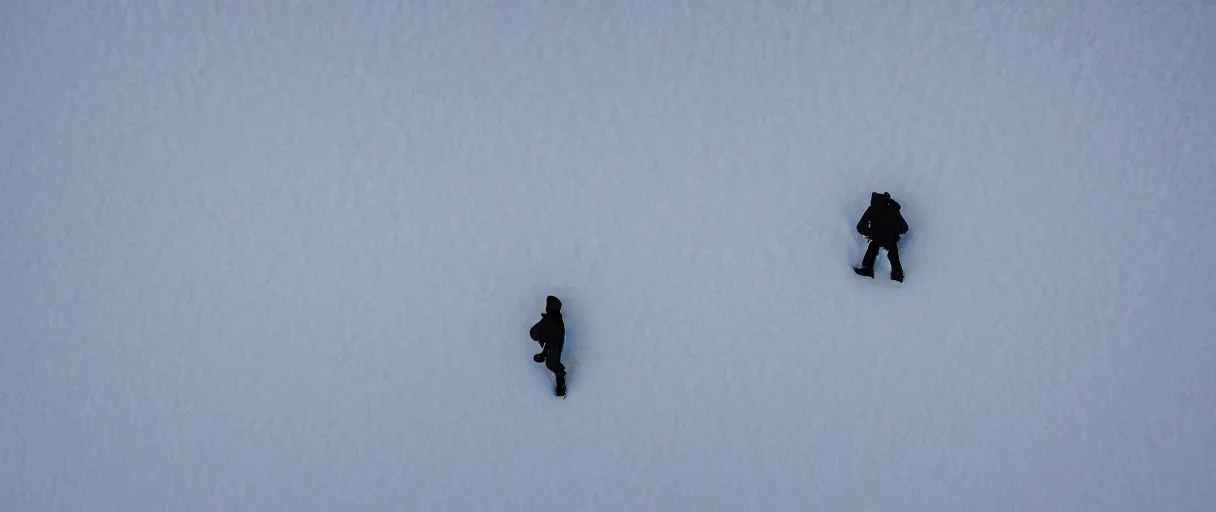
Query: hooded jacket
x=882 y=222
x=551 y=329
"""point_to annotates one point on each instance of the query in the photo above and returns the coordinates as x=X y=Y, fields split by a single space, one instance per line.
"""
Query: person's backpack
x=536 y=331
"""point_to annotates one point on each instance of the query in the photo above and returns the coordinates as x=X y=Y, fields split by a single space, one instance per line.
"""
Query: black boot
x=863 y=271
x=561 y=385
x=540 y=358
x=897 y=275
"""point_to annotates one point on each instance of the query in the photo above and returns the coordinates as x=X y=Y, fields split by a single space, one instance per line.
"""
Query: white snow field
x=283 y=255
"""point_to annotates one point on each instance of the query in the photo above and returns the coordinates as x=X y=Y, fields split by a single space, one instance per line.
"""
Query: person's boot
x=897 y=275
x=540 y=358
x=561 y=385
x=863 y=271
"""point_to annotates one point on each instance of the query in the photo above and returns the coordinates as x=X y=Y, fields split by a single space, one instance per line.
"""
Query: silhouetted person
x=550 y=333
x=882 y=224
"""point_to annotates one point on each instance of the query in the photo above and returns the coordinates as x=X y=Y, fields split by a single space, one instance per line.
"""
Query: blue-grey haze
x=283 y=255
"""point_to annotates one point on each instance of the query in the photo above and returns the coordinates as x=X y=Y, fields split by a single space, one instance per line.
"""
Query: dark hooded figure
x=882 y=224
x=550 y=333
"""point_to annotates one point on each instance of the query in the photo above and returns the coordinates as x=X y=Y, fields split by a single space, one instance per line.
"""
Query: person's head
x=552 y=305
x=883 y=200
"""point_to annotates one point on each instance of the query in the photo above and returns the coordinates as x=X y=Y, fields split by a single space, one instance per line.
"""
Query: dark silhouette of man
x=882 y=224
x=550 y=333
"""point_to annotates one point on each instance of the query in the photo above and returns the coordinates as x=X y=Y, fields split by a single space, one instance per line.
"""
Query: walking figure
x=882 y=224
x=550 y=333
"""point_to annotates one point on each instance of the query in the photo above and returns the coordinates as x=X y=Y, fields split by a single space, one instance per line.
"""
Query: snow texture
x=283 y=255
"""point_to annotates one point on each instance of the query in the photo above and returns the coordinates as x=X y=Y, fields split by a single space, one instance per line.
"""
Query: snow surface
x=271 y=255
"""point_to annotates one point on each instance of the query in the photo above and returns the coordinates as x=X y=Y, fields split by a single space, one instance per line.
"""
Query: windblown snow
x=283 y=255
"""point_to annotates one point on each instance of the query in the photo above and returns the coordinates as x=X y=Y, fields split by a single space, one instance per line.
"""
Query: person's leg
x=553 y=361
x=897 y=270
x=558 y=369
x=867 y=262
x=559 y=373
